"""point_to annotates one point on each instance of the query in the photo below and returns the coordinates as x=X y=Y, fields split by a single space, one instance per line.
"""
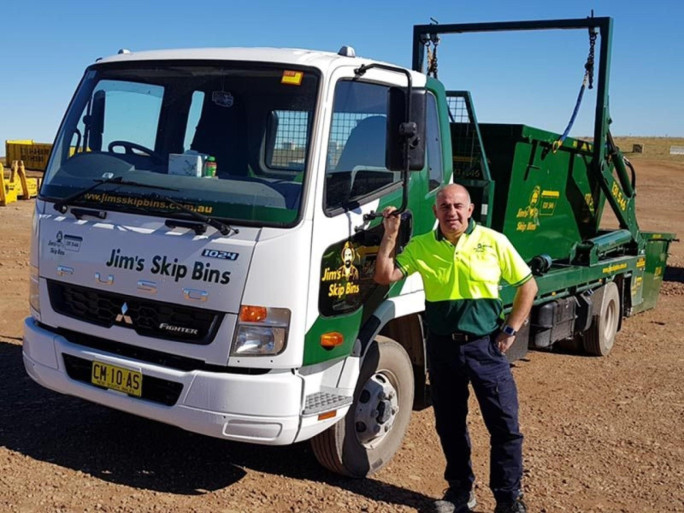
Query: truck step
x=324 y=401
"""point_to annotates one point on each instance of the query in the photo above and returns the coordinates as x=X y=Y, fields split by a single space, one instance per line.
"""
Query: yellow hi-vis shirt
x=461 y=282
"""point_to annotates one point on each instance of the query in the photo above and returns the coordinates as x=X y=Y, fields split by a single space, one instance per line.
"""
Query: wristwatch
x=508 y=330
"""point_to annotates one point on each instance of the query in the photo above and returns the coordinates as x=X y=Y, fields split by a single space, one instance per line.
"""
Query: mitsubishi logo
x=122 y=317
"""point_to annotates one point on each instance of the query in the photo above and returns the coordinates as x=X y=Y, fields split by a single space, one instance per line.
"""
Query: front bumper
x=263 y=409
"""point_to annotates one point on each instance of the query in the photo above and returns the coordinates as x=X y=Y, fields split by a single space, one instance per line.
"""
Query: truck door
x=355 y=182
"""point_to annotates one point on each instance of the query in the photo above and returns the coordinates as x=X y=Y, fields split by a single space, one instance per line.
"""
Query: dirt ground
x=602 y=434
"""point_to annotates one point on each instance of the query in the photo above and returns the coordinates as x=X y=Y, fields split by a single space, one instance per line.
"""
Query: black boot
x=516 y=506
x=455 y=501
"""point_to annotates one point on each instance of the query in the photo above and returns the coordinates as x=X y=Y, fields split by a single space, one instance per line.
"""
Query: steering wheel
x=129 y=146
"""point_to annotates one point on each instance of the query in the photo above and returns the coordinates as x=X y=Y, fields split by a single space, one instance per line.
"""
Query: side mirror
x=405 y=127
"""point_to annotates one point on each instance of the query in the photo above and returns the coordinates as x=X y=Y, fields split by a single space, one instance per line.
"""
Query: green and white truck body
x=238 y=301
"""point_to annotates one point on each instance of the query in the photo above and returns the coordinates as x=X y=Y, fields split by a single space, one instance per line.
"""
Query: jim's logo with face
x=343 y=279
x=348 y=270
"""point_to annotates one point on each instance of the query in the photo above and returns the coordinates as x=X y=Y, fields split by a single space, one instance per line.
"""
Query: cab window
x=355 y=170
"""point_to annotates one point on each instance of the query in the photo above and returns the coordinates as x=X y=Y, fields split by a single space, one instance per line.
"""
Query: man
x=461 y=264
x=348 y=270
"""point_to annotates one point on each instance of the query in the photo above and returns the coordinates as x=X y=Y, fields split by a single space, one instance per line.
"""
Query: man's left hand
x=504 y=342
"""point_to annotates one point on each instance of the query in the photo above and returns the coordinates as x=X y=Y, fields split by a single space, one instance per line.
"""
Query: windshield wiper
x=223 y=228
x=62 y=205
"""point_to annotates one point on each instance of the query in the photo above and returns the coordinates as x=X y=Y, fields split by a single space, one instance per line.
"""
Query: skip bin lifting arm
x=620 y=193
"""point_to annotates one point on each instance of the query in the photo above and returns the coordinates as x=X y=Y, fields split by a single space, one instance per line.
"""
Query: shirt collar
x=471 y=226
x=440 y=236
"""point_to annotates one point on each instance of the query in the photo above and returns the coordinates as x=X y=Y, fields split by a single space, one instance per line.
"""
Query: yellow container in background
x=35 y=155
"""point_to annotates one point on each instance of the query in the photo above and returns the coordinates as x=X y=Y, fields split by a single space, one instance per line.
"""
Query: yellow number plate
x=116 y=378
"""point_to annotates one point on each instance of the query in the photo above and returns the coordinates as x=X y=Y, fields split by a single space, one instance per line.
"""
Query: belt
x=461 y=338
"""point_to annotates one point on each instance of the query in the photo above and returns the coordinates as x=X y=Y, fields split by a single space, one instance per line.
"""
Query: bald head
x=453 y=209
x=452 y=188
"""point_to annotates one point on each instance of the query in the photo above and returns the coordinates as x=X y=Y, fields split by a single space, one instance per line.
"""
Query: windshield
x=229 y=140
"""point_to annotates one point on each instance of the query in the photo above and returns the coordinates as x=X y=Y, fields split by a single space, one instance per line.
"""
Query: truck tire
x=367 y=438
x=599 y=338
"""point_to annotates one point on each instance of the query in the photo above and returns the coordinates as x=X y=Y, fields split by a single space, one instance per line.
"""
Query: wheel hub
x=376 y=410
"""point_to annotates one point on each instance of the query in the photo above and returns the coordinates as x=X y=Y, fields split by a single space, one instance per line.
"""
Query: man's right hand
x=385 y=270
x=391 y=221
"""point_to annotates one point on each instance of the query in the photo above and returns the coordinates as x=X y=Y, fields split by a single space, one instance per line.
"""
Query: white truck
x=236 y=302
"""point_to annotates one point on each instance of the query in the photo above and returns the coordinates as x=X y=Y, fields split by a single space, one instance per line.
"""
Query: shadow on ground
x=124 y=449
x=675 y=274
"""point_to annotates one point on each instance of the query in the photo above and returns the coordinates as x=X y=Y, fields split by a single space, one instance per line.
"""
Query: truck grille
x=148 y=318
x=154 y=389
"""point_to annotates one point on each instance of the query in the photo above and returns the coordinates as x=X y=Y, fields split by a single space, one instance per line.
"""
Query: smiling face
x=453 y=209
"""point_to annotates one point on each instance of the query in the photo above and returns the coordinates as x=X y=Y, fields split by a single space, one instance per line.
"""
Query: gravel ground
x=602 y=434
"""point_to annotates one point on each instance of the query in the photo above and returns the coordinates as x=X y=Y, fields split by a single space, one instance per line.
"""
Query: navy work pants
x=452 y=366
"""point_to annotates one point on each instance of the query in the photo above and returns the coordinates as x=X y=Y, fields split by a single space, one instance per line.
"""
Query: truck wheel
x=599 y=338
x=367 y=438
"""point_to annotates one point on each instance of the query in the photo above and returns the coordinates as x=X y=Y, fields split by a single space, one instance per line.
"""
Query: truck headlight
x=34 y=289
x=261 y=331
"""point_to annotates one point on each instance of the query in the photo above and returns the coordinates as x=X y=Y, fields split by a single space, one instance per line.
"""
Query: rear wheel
x=599 y=338
x=367 y=438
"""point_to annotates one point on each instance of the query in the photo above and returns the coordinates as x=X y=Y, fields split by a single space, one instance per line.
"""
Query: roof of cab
x=282 y=55
x=295 y=56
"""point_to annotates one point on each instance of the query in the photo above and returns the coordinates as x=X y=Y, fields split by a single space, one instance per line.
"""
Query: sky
x=530 y=77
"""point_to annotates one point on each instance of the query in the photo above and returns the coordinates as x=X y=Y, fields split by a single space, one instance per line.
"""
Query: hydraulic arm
x=618 y=187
